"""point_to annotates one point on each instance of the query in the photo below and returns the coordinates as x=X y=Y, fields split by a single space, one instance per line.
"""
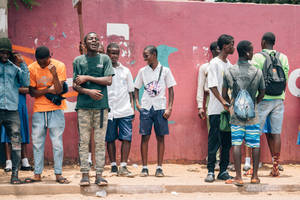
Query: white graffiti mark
x=118 y=29
x=292 y=82
x=3 y=20
x=70 y=105
x=36 y=41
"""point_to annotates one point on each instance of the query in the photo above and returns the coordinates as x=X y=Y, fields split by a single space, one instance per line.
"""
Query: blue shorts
x=267 y=126
x=251 y=134
x=150 y=117
x=273 y=109
x=120 y=128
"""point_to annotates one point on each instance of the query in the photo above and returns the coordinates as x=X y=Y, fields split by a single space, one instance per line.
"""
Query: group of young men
x=251 y=91
x=105 y=106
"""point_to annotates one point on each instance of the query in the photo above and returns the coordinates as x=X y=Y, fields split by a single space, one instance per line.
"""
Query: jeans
x=11 y=121
x=55 y=122
x=217 y=139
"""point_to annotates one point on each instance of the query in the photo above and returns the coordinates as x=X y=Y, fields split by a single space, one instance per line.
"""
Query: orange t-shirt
x=41 y=78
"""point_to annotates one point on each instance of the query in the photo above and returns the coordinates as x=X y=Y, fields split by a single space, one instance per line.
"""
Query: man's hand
x=19 y=59
x=52 y=69
x=95 y=94
x=201 y=113
x=167 y=113
x=80 y=79
x=51 y=90
x=226 y=105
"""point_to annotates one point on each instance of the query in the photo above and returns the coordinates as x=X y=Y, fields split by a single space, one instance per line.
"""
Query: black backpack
x=273 y=73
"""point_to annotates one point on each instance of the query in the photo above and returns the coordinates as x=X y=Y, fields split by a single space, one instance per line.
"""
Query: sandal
x=248 y=172
x=255 y=181
x=62 y=180
x=15 y=180
x=100 y=181
x=32 y=180
x=275 y=171
x=235 y=182
x=85 y=180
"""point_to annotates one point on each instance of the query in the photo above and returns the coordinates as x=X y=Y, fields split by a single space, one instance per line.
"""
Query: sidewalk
x=178 y=178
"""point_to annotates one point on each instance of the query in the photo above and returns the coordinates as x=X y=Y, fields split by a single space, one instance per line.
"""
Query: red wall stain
x=182 y=25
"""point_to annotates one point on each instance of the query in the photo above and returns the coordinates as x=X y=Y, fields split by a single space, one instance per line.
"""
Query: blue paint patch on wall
x=171 y=122
x=132 y=62
x=63 y=33
x=52 y=37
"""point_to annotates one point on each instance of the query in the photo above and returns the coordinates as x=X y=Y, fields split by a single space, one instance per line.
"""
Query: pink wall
x=186 y=29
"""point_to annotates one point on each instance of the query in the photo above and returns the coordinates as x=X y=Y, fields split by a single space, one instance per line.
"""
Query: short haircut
x=42 y=52
x=112 y=45
x=243 y=48
x=152 y=49
x=269 y=37
x=213 y=46
x=224 y=39
x=86 y=36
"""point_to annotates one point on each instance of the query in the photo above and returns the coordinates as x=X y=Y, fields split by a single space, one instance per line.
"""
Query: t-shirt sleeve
x=261 y=81
x=130 y=84
x=138 y=83
x=32 y=76
x=62 y=74
x=108 y=68
x=212 y=78
x=170 y=81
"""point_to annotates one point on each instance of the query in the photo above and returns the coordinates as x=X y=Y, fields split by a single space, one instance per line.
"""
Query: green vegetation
x=27 y=3
x=263 y=1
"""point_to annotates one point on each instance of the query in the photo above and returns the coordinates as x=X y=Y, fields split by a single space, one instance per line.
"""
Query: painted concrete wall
x=182 y=31
x=3 y=18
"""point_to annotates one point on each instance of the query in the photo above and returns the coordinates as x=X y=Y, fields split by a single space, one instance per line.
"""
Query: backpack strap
x=160 y=71
x=253 y=78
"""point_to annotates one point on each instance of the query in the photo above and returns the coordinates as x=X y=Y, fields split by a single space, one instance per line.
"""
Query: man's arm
x=136 y=95
x=215 y=91
x=23 y=72
x=168 y=111
x=106 y=80
x=57 y=85
x=260 y=96
x=37 y=93
x=201 y=94
x=24 y=90
x=93 y=93
x=225 y=94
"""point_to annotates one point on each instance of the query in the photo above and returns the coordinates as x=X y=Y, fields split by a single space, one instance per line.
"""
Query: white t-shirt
x=118 y=93
x=202 y=84
x=215 y=79
x=148 y=78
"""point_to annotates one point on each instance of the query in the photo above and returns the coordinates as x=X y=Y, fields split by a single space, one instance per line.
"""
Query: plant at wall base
x=27 y=3
x=263 y=1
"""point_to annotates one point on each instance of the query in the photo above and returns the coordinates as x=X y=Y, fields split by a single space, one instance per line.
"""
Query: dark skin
x=237 y=155
x=202 y=111
x=152 y=61
x=92 y=48
x=114 y=53
x=274 y=140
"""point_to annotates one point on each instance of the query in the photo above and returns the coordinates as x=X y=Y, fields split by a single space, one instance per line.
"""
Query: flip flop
x=62 y=180
x=32 y=180
x=15 y=180
x=255 y=181
x=85 y=181
x=235 y=182
x=100 y=181
x=248 y=172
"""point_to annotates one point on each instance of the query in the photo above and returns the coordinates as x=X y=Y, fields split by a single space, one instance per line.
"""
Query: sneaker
x=8 y=166
x=123 y=171
x=114 y=169
x=210 y=178
x=159 y=173
x=144 y=172
x=231 y=167
x=280 y=167
x=224 y=176
x=246 y=167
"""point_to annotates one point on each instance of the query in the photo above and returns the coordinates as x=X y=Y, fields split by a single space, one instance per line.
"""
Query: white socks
x=113 y=164
x=248 y=161
x=158 y=167
x=8 y=164
x=145 y=167
x=90 y=158
x=123 y=164
x=25 y=162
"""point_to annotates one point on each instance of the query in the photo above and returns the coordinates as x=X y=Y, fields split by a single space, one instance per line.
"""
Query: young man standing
x=120 y=99
x=272 y=105
x=11 y=78
x=91 y=75
x=47 y=76
x=247 y=77
x=153 y=110
x=216 y=138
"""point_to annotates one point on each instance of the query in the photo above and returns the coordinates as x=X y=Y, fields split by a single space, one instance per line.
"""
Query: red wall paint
x=188 y=26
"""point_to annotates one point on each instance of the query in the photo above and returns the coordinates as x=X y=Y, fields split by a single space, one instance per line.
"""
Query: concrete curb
x=53 y=189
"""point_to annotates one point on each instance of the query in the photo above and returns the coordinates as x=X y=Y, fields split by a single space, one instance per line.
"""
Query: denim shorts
x=150 y=117
x=273 y=109
x=120 y=128
x=251 y=134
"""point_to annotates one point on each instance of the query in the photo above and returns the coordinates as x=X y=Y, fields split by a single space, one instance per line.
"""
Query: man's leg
x=111 y=136
x=160 y=149
x=38 y=135
x=84 y=118
x=247 y=165
x=99 y=134
x=256 y=157
x=8 y=165
x=144 y=149
x=56 y=121
x=237 y=157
